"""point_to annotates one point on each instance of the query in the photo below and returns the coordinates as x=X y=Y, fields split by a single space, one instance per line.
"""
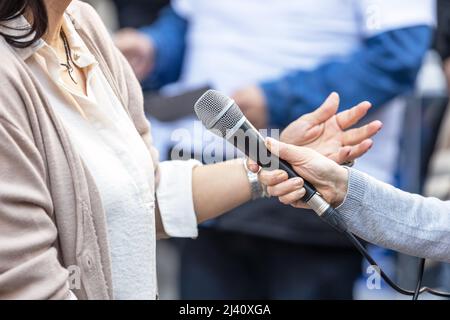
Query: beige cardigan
x=51 y=218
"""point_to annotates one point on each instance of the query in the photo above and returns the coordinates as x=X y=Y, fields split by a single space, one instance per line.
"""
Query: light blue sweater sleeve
x=391 y=218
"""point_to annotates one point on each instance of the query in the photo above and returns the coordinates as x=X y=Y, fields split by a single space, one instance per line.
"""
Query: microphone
x=221 y=115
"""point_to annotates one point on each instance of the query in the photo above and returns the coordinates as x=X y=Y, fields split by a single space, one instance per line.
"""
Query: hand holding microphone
x=329 y=178
x=221 y=115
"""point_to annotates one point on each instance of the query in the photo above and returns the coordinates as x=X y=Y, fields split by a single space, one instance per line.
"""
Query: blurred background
x=279 y=60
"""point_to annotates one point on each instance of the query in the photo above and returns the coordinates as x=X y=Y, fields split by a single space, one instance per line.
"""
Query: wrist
x=341 y=186
x=256 y=188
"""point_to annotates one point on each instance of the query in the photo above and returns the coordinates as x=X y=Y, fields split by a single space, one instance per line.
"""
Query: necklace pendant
x=68 y=65
x=70 y=70
x=71 y=76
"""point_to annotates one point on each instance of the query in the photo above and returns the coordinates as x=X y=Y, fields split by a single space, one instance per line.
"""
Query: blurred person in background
x=137 y=13
x=443 y=36
x=278 y=60
x=118 y=14
x=438 y=180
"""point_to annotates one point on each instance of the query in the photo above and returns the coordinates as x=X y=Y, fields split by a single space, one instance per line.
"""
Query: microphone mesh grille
x=229 y=120
x=210 y=105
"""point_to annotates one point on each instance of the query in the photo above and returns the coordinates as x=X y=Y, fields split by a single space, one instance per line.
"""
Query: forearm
x=389 y=217
x=189 y=193
x=219 y=188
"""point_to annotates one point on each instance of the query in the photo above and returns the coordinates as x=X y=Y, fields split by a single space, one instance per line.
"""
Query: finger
x=285 y=187
x=271 y=178
x=349 y=118
x=293 y=197
x=285 y=151
x=359 y=150
x=325 y=111
x=300 y=204
x=342 y=155
x=356 y=136
x=252 y=165
x=348 y=154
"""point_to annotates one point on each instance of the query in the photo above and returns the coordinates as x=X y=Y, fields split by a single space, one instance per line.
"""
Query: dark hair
x=11 y=9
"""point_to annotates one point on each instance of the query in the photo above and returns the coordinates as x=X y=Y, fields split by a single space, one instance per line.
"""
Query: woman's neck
x=55 y=11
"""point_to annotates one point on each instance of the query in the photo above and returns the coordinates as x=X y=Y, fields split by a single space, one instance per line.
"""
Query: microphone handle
x=314 y=200
x=249 y=141
x=310 y=190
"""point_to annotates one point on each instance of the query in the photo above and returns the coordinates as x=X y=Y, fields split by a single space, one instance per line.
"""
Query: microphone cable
x=418 y=290
x=419 y=278
x=331 y=216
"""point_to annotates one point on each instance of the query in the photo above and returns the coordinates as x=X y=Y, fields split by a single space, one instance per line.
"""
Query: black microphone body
x=248 y=140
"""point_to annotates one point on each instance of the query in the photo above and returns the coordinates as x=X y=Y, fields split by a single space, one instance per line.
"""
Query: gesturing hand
x=330 y=134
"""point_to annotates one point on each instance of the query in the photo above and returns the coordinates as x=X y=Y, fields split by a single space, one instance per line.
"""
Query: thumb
x=252 y=165
x=328 y=109
x=284 y=151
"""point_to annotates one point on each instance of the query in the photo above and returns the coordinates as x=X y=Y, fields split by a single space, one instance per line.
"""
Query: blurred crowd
x=279 y=60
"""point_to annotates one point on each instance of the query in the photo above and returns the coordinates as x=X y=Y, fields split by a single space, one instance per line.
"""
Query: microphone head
x=217 y=111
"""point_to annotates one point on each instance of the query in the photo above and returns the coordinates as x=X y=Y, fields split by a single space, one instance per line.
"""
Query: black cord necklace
x=68 y=64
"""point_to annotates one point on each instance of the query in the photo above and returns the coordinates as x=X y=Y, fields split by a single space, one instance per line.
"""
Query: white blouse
x=121 y=166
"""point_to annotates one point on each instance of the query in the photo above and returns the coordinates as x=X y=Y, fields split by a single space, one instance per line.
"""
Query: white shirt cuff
x=175 y=200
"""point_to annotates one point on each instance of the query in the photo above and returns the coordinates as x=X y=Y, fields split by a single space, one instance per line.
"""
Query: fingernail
x=282 y=174
x=297 y=181
x=381 y=126
x=334 y=95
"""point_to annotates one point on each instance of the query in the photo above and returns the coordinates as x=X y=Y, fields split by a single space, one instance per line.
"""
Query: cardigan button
x=88 y=262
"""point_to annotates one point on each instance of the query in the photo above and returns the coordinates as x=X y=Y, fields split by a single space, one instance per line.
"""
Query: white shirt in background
x=235 y=43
